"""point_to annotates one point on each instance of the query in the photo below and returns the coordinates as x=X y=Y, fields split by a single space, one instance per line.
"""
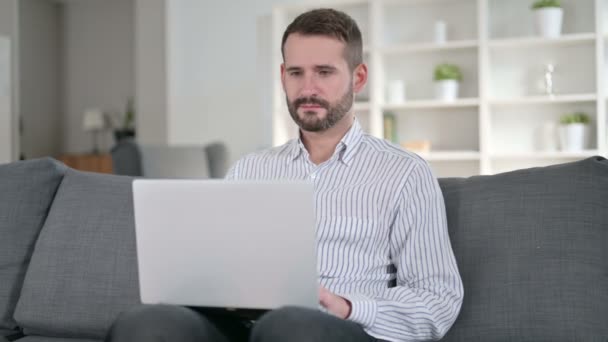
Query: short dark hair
x=332 y=23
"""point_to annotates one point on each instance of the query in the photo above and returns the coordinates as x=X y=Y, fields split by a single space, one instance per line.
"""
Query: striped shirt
x=382 y=239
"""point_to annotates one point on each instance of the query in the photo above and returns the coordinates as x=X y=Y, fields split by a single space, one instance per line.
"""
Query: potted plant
x=447 y=81
x=573 y=132
x=127 y=128
x=549 y=17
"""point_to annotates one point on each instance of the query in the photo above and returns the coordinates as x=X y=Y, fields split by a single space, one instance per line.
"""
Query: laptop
x=226 y=244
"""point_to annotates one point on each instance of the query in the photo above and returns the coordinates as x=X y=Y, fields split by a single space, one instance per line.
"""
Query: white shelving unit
x=422 y=47
x=567 y=39
x=496 y=124
x=430 y=104
x=543 y=99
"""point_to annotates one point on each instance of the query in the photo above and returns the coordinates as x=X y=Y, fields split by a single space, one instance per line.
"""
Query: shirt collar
x=346 y=147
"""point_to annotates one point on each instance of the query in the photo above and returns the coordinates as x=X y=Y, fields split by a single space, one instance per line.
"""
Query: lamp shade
x=93 y=120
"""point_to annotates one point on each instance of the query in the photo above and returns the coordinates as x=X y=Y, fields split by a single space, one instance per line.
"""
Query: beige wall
x=151 y=71
x=39 y=74
x=98 y=65
x=5 y=102
x=9 y=29
x=219 y=73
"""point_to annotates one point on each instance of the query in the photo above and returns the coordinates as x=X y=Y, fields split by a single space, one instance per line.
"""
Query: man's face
x=317 y=81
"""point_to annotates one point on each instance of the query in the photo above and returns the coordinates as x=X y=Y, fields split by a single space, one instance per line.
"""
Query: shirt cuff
x=363 y=310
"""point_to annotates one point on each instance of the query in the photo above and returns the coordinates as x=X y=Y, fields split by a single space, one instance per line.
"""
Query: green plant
x=546 y=3
x=129 y=118
x=447 y=72
x=578 y=117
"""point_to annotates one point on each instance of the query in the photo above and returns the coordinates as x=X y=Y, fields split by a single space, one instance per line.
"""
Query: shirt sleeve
x=428 y=293
x=232 y=173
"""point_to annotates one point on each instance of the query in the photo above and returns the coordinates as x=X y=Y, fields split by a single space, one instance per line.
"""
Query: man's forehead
x=313 y=51
x=297 y=40
x=310 y=65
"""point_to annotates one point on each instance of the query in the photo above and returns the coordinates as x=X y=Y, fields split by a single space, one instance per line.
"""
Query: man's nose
x=309 y=86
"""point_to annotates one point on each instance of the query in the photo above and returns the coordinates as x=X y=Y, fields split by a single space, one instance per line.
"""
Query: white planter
x=446 y=90
x=549 y=21
x=573 y=137
x=441 y=32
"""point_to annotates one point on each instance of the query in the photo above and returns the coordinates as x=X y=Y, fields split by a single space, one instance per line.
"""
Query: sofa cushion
x=27 y=189
x=52 y=339
x=532 y=249
x=83 y=272
x=7 y=332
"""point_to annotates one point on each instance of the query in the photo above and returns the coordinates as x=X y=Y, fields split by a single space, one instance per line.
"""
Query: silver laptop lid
x=235 y=244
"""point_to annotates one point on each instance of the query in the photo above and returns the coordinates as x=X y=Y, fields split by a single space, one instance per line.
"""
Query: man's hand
x=335 y=304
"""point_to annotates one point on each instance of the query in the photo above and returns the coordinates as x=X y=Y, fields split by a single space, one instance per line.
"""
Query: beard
x=309 y=121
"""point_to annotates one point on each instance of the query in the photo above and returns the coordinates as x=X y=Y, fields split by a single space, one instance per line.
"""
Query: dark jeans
x=180 y=324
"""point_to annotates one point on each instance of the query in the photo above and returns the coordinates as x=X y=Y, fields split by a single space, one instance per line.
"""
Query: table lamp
x=94 y=122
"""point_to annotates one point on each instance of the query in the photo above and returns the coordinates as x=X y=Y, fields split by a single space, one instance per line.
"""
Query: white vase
x=573 y=137
x=446 y=90
x=441 y=33
x=549 y=21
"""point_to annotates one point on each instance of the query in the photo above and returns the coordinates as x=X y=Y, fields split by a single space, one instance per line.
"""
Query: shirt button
x=313 y=176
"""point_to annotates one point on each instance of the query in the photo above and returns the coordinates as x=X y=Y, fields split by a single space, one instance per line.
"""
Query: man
x=386 y=267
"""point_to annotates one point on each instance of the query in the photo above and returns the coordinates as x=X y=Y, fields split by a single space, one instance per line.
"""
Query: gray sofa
x=531 y=245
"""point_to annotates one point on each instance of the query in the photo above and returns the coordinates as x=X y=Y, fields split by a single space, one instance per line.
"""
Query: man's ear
x=359 y=77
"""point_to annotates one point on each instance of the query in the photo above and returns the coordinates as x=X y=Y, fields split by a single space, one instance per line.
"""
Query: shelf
x=503 y=119
x=430 y=47
x=299 y=8
x=546 y=155
x=568 y=39
x=433 y=104
x=544 y=99
x=450 y=156
x=420 y=2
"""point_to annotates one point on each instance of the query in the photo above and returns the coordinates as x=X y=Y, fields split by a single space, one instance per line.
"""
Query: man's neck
x=322 y=145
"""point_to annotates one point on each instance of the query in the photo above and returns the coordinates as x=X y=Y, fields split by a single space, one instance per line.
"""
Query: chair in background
x=156 y=161
x=174 y=161
x=217 y=157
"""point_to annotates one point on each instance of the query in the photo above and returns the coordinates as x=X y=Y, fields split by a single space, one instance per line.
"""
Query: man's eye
x=295 y=73
x=325 y=72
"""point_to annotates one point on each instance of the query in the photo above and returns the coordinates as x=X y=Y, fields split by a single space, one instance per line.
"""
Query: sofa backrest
x=531 y=247
x=83 y=271
x=532 y=250
x=27 y=190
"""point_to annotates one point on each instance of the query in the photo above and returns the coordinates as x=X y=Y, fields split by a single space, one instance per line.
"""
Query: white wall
x=151 y=72
x=5 y=102
x=217 y=87
x=39 y=73
x=98 y=64
x=9 y=28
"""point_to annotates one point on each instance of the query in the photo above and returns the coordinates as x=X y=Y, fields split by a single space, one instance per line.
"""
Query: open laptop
x=226 y=244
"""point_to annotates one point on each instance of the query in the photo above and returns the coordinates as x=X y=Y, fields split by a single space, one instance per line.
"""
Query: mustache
x=310 y=100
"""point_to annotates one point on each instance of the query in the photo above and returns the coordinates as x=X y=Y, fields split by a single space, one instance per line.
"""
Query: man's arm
x=428 y=295
x=232 y=173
